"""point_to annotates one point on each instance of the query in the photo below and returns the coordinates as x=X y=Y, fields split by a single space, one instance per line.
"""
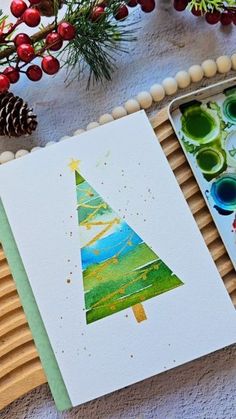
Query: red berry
x=12 y=74
x=180 y=5
x=4 y=83
x=67 y=31
x=148 y=6
x=22 y=38
x=226 y=18
x=34 y=73
x=50 y=65
x=34 y=1
x=132 y=3
x=97 y=13
x=54 y=41
x=25 y=52
x=18 y=7
x=32 y=17
x=122 y=12
x=213 y=17
x=196 y=11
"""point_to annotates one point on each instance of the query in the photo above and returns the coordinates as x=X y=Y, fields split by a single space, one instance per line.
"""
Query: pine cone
x=46 y=7
x=16 y=118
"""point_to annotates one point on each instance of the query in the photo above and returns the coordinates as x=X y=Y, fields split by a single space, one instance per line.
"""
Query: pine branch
x=211 y=5
x=97 y=43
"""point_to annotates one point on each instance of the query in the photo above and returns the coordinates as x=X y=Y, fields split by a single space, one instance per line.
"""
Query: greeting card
x=116 y=272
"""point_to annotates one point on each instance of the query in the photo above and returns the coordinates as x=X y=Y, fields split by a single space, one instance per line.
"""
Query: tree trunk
x=139 y=312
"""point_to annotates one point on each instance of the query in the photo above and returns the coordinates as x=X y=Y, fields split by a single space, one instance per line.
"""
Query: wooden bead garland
x=35 y=149
x=233 y=60
x=79 y=131
x=210 y=68
x=65 y=137
x=6 y=156
x=170 y=85
x=132 y=106
x=144 y=99
x=92 y=125
x=224 y=64
x=158 y=92
x=104 y=119
x=119 y=112
x=183 y=79
x=196 y=73
x=21 y=153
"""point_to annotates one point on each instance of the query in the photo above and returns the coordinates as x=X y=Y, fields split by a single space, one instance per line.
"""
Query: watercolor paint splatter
x=119 y=269
x=207 y=131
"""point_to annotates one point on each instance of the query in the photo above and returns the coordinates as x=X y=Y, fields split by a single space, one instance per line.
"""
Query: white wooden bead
x=223 y=64
x=92 y=125
x=209 y=67
x=79 y=131
x=6 y=156
x=233 y=61
x=196 y=73
x=50 y=143
x=21 y=153
x=144 y=99
x=104 y=119
x=35 y=149
x=170 y=85
x=65 y=137
x=132 y=106
x=183 y=79
x=119 y=112
x=158 y=92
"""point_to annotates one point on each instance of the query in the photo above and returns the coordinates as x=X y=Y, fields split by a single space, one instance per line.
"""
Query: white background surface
x=167 y=43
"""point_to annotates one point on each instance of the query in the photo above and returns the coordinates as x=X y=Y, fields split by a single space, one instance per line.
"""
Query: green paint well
x=199 y=125
x=229 y=109
x=210 y=160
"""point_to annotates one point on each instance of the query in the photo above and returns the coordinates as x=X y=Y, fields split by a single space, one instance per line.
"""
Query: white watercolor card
x=123 y=280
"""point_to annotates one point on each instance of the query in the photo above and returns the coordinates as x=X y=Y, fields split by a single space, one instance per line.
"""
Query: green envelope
x=35 y=322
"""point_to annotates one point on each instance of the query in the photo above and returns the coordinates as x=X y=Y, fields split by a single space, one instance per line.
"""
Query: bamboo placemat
x=20 y=367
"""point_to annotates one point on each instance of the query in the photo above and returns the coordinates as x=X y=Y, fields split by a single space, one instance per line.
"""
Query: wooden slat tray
x=21 y=370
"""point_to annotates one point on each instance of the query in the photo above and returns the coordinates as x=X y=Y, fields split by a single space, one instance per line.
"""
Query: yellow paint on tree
x=74 y=165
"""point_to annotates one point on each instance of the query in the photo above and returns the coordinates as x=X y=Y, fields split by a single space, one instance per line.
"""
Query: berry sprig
x=26 y=49
x=19 y=50
x=214 y=11
x=121 y=11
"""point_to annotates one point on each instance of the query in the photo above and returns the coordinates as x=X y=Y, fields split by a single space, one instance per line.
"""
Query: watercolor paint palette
x=205 y=123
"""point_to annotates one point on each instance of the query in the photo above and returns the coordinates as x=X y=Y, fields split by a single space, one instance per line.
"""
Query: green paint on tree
x=119 y=269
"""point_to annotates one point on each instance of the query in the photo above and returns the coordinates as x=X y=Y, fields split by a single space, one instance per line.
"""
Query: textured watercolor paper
x=123 y=280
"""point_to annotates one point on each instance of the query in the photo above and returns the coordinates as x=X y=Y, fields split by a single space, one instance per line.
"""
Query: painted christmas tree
x=119 y=269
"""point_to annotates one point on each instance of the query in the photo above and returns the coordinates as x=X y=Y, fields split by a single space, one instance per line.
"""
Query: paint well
x=210 y=160
x=199 y=125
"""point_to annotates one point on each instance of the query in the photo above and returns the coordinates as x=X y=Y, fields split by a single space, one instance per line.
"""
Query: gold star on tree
x=74 y=165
